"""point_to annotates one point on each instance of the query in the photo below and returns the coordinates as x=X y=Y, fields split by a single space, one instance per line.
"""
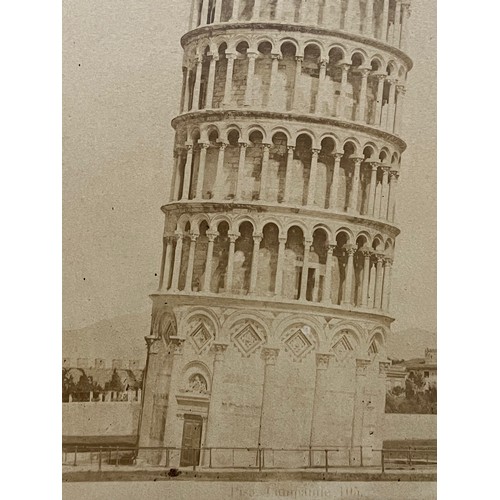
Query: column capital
x=365 y=71
x=379 y=257
x=153 y=344
x=194 y=237
x=231 y=55
x=392 y=81
x=388 y=261
x=383 y=366
x=243 y=144
x=401 y=89
x=277 y=56
x=374 y=163
x=257 y=238
x=176 y=343
x=362 y=365
x=178 y=235
x=266 y=145
x=219 y=348
x=189 y=147
x=233 y=237
x=213 y=55
x=331 y=248
x=252 y=55
x=269 y=354
x=223 y=145
x=290 y=149
x=357 y=159
x=385 y=168
x=322 y=360
x=308 y=242
x=323 y=62
x=394 y=174
x=380 y=76
x=204 y=145
x=344 y=66
x=350 y=249
x=282 y=240
x=366 y=251
x=338 y=156
x=316 y=151
x=299 y=58
x=211 y=235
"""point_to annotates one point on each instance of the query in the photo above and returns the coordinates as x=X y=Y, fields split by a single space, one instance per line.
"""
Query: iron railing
x=259 y=458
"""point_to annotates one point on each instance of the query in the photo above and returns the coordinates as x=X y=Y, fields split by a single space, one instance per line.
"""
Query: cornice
x=232 y=114
x=216 y=29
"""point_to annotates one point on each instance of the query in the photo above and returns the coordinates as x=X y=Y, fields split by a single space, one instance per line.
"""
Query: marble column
x=256 y=10
x=384 y=192
x=358 y=410
x=334 y=187
x=186 y=92
x=320 y=96
x=230 y=263
x=326 y=297
x=218 y=392
x=369 y=25
x=320 y=386
x=393 y=184
x=305 y=270
x=401 y=91
x=311 y=191
x=361 y=111
x=252 y=56
x=168 y=263
x=349 y=275
x=366 y=276
x=187 y=172
x=211 y=80
x=379 y=282
x=201 y=171
x=380 y=98
x=272 y=80
x=354 y=194
x=176 y=177
x=204 y=13
x=190 y=268
x=397 y=24
x=385 y=20
x=241 y=170
x=177 y=261
x=278 y=288
x=405 y=10
x=386 y=292
x=288 y=180
x=228 y=87
x=183 y=92
x=373 y=188
x=197 y=84
x=269 y=355
x=218 y=11
x=298 y=73
x=219 y=175
x=391 y=105
x=208 y=265
x=264 y=174
x=372 y=284
x=257 y=238
x=236 y=10
x=342 y=101
x=193 y=15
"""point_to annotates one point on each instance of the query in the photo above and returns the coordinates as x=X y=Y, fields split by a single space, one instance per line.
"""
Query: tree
x=68 y=384
x=115 y=384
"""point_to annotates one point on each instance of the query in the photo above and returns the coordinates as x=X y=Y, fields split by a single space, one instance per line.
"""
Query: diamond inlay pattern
x=298 y=344
x=247 y=340
x=201 y=337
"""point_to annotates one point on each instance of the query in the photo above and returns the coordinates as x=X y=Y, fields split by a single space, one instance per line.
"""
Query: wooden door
x=191 y=440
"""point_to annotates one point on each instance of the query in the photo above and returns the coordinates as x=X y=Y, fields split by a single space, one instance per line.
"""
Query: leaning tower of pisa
x=273 y=308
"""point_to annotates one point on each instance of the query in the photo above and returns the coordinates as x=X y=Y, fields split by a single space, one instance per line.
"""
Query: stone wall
x=100 y=419
x=401 y=426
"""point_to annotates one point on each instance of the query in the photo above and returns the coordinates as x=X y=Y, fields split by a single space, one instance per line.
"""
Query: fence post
x=382 y=460
x=116 y=461
x=210 y=458
x=310 y=456
x=326 y=460
x=361 y=456
x=259 y=458
x=100 y=458
x=349 y=454
x=409 y=455
x=76 y=451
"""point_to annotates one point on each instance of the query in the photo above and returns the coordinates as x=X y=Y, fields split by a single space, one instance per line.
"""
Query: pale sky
x=121 y=83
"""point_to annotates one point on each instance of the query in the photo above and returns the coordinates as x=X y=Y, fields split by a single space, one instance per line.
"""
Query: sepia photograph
x=249 y=249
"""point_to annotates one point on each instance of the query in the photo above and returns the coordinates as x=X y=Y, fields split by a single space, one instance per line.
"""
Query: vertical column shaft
x=177 y=262
x=342 y=101
x=369 y=28
x=228 y=87
x=386 y=293
x=219 y=175
x=189 y=273
x=353 y=198
x=218 y=11
x=397 y=24
x=320 y=97
x=208 y=265
x=211 y=81
x=288 y=180
x=187 y=172
x=241 y=170
x=391 y=105
x=236 y=10
x=168 y=264
x=298 y=72
x=327 y=283
x=256 y=10
x=373 y=188
x=201 y=171
x=311 y=191
x=335 y=180
x=257 y=238
x=230 y=263
x=349 y=275
x=366 y=278
x=384 y=198
x=305 y=270
x=379 y=281
x=361 y=111
x=393 y=184
x=380 y=99
x=252 y=56
x=264 y=173
x=399 y=108
x=278 y=288
x=272 y=80
x=385 y=20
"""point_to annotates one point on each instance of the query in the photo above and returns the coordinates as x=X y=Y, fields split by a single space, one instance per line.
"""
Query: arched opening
x=186 y=243
x=293 y=261
x=268 y=260
x=220 y=76
x=365 y=179
x=200 y=257
x=211 y=164
x=309 y=79
x=333 y=80
x=277 y=168
x=205 y=68
x=195 y=165
x=246 y=12
x=298 y=173
x=359 y=263
x=242 y=266
x=286 y=76
x=240 y=74
x=317 y=266
x=324 y=178
x=339 y=266
x=354 y=82
x=231 y=163
x=226 y=10
x=262 y=74
x=252 y=183
x=220 y=258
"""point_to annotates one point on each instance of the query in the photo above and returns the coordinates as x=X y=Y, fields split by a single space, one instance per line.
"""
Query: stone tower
x=271 y=318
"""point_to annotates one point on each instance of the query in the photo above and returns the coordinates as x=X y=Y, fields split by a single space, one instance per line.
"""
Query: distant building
x=400 y=370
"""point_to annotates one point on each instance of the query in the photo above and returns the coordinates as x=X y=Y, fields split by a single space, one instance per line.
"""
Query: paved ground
x=216 y=490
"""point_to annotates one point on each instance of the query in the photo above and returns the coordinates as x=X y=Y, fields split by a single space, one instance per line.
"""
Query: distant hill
x=410 y=343
x=122 y=337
